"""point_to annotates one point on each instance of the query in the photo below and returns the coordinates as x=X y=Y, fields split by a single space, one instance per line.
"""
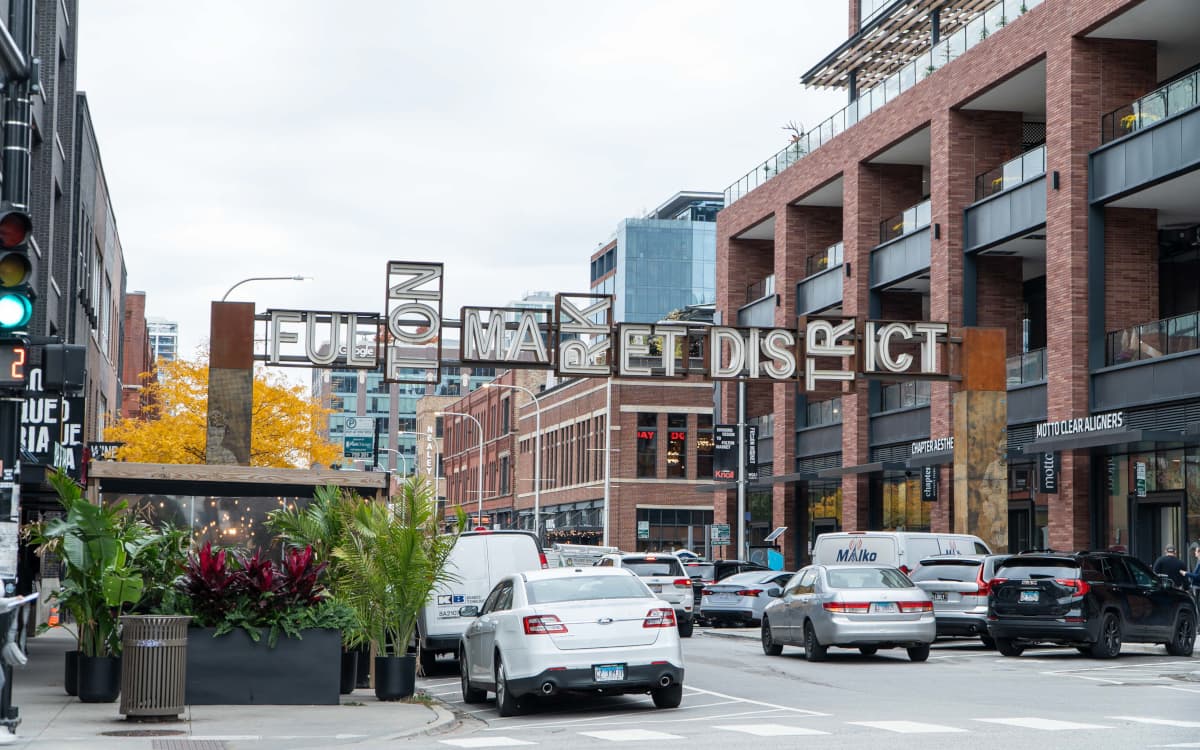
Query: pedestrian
x=1194 y=576
x=1171 y=566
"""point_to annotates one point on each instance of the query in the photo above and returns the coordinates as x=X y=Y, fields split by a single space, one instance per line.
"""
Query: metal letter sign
x=306 y=338
x=583 y=323
x=414 y=323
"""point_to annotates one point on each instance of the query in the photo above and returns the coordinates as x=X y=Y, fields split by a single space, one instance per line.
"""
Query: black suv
x=1090 y=600
x=703 y=572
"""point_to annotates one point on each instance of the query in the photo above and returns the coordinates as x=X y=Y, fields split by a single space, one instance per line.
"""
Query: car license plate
x=1029 y=596
x=938 y=596
x=725 y=597
x=609 y=672
x=655 y=587
x=884 y=607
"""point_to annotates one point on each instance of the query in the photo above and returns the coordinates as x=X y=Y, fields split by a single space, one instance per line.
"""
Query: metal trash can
x=154 y=665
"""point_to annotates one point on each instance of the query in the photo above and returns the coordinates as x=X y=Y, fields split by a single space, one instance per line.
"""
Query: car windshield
x=946 y=571
x=650 y=566
x=702 y=570
x=1037 y=567
x=577 y=588
x=757 y=576
x=867 y=578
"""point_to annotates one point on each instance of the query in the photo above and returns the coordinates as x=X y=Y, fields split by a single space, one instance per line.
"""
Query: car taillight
x=543 y=625
x=706 y=592
x=847 y=607
x=996 y=582
x=916 y=606
x=659 y=618
x=542 y=560
x=905 y=569
x=982 y=587
x=1081 y=587
x=748 y=592
x=683 y=583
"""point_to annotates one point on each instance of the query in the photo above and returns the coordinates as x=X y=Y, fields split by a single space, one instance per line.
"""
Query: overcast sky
x=256 y=138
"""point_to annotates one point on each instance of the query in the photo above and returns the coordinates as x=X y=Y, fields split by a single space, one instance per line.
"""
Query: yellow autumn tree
x=172 y=429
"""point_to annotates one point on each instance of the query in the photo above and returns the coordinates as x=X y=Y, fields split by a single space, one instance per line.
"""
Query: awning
x=871 y=468
x=932 y=458
x=762 y=483
x=1102 y=439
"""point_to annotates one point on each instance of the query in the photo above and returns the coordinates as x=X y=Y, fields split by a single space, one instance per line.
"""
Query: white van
x=477 y=562
x=901 y=549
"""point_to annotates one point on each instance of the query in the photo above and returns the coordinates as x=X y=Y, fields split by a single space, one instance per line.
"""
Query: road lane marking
x=564 y=723
x=486 y=742
x=908 y=727
x=1164 y=722
x=775 y=706
x=631 y=735
x=1051 y=725
x=769 y=730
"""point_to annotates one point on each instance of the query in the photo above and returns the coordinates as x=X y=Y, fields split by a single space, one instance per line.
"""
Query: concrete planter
x=235 y=670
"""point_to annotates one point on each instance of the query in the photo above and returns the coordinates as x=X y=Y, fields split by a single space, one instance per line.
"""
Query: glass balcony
x=826 y=412
x=1007 y=176
x=903 y=395
x=1026 y=368
x=1155 y=339
x=906 y=222
x=1177 y=96
x=760 y=289
x=990 y=21
x=832 y=258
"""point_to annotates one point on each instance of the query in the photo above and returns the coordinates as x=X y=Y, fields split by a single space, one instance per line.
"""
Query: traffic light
x=16 y=270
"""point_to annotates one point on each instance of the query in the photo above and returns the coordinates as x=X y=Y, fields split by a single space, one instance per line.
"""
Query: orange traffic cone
x=52 y=621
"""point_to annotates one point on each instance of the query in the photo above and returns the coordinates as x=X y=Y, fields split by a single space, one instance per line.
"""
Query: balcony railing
x=990 y=21
x=1011 y=173
x=906 y=222
x=1152 y=340
x=1177 y=96
x=1029 y=367
x=832 y=258
x=760 y=289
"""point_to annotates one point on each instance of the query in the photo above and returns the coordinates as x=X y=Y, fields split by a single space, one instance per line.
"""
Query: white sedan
x=570 y=629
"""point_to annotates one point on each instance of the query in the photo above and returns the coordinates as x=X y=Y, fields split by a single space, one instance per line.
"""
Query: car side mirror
x=774 y=592
x=468 y=611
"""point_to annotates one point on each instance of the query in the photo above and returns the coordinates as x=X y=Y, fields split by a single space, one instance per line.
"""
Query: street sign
x=643 y=529
x=752 y=453
x=719 y=534
x=358 y=437
x=725 y=453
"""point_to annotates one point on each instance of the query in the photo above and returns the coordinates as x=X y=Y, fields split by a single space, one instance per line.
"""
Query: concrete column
x=230 y=383
x=980 y=440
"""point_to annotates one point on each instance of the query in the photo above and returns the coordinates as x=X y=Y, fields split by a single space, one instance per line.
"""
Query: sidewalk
x=52 y=719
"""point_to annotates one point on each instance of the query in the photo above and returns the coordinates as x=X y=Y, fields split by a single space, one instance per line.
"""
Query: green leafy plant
x=391 y=560
x=100 y=546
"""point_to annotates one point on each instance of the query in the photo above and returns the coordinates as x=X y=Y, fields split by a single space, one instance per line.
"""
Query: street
x=734 y=694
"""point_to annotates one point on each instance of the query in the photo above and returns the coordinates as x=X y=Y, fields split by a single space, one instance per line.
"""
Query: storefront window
x=1192 y=481
x=704 y=446
x=824 y=509
x=676 y=446
x=674 y=528
x=903 y=509
x=647 y=445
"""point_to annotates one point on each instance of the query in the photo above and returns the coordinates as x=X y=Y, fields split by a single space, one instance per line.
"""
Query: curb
x=444 y=720
x=731 y=634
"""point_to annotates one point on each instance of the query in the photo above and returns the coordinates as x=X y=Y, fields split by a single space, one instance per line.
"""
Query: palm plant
x=391 y=559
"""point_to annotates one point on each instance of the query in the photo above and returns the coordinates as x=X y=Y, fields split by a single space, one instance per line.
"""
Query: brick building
x=138 y=364
x=1031 y=165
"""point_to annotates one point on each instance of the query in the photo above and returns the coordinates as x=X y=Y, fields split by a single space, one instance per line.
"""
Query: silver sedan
x=867 y=607
x=741 y=598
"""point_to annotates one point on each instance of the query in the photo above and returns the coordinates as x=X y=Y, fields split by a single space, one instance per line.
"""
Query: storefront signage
x=1139 y=473
x=643 y=531
x=719 y=534
x=929 y=483
x=1049 y=467
x=430 y=450
x=1113 y=420
x=52 y=427
x=936 y=445
x=725 y=453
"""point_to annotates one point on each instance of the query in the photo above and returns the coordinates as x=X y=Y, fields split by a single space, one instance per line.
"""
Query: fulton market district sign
x=578 y=338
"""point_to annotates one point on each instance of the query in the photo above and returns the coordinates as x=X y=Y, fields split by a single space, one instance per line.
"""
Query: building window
x=505 y=417
x=704 y=446
x=647 y=446
x=671 y=529
x=903 y=509
x=676 y=446
x=824 y=509
x=825 y=412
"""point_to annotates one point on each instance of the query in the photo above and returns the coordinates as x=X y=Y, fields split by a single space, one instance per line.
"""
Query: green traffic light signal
x=16 y=270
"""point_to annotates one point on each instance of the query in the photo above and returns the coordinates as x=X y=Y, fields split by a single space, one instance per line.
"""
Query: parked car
x=867 y=607
x=663 y=573
x=589 y=629
x=1094 y=601
x=479 y=559
x=958 y=585
x=705 y=572
x=739 y=600
x=901 y=549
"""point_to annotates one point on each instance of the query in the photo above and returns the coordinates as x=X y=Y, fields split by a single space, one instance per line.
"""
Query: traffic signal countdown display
x=16 y=271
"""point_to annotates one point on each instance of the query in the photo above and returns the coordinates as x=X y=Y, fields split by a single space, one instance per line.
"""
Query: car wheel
x=988 y=641
x=1185 y=635
x=668 y=697
x=470 y=694
x=770 y=647
x=685 y=628
x=506 y=703
x=813 y=650
x=1007 y=647
x=918 y=653
x=1109 y=645
x=868 y=650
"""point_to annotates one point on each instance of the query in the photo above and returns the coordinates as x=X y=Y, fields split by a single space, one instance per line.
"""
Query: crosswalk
x=764 y=729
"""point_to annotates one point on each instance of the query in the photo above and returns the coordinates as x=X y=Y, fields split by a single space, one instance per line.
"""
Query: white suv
x=665 y=576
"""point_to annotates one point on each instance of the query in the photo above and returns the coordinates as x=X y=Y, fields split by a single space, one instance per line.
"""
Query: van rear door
x=851 y=548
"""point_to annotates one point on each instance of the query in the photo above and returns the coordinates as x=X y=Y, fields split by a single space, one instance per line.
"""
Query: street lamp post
x=537 y=455
x=297 y=277
x=479 y=426
x=402 y=457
